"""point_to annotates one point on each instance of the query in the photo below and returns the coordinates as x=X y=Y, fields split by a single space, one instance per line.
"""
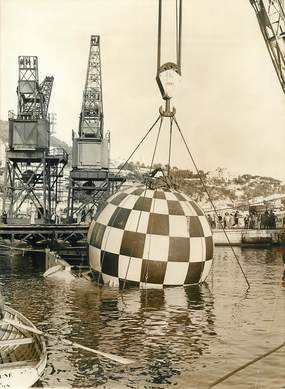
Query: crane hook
x=168 y=69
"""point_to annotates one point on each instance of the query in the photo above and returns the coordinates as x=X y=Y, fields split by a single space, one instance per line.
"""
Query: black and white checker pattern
x=152 y=238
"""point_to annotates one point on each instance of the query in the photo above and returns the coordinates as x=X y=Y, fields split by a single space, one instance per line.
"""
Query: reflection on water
x=186 y=337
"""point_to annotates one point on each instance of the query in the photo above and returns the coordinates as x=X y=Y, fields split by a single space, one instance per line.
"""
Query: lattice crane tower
x=91 y=117
x=90 y=178
x=32 y=172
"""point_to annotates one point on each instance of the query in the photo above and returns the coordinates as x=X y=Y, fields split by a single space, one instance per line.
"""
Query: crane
x=33 y=98
x=33 y=172
x=91 y=117
x=271 y=19
x=90 y=179
x=46 y=88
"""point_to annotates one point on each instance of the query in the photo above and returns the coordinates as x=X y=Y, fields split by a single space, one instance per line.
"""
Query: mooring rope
x=245 y=365
x=210 y=199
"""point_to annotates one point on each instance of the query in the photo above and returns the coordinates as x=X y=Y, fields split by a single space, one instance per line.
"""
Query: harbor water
x=181 y=337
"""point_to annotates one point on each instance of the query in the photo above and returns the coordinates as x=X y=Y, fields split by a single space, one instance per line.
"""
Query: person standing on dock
x=272 y=219
x=236 y=216
x=32 y=214
x=266 y=219
x=58 y=212
x=246 y=221
x=4 y=217
x=210 y=220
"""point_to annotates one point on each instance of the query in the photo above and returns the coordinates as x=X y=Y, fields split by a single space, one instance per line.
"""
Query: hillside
x=224 y=188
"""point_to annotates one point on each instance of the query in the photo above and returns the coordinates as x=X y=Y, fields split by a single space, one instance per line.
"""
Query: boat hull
x=20 y=377
x=243 y=237
x=23 y=354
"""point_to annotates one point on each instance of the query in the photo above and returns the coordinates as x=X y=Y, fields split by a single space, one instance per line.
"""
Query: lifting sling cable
x=171 y=114
x=176 y=67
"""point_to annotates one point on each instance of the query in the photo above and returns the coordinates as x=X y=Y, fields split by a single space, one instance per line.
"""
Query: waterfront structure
x=33 y=171
x=43 y=233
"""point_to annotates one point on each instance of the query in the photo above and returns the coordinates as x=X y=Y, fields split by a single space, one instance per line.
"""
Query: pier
x=63 y=242
x=33 y=233
x=78 y=232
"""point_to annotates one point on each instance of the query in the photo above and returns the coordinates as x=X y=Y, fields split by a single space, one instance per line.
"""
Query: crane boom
x=46 y=88
x=271 y=19
x=33 y=98
x=91 y=117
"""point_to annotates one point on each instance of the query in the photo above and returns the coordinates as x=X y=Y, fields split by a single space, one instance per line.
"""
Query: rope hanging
x=139 y=144
x=211 y=201
x=176 y=67
x=173 y=119
x=245 y=365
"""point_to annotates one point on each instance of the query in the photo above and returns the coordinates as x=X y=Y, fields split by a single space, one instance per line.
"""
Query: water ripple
x=186 y=337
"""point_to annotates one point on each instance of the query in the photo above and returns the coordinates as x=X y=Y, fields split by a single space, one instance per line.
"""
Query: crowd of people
x=251 y=220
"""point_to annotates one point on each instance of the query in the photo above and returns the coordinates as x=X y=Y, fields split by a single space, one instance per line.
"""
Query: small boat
x=23 y=353
x=257 y=238
x=52 y=270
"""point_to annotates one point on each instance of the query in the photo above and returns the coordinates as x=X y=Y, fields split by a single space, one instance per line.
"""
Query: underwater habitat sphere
x=150 y=238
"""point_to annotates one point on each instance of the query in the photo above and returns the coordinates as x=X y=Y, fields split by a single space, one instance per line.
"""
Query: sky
x=230 y=106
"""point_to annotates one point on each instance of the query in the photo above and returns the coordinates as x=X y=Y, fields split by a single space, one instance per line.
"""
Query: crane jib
x=271 y=18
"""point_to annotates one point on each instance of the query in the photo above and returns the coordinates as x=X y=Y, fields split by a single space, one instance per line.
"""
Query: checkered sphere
x=150 y=238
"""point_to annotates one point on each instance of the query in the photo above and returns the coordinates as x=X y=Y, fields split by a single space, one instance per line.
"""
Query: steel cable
x=210 y=199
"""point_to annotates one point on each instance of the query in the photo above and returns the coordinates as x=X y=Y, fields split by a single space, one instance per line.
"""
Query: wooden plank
x=16 y=324
x=16 y=342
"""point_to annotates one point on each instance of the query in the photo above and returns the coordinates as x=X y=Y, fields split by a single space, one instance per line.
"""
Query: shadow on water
x=177 y=336
x=163 y=330
x=152 y=327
